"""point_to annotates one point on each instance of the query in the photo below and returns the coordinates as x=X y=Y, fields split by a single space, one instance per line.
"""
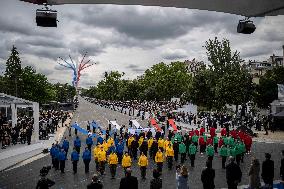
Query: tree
x=225 y=81
x=202 y=90
x=267 y=89
x=13 y=74
x=36 y=86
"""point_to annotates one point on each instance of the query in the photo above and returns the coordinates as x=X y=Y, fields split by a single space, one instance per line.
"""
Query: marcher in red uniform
x=223 y=132
x=248 y=143
x=202 y=130
x=209 y=141
x=191 y=133
x=202 y=145
x=196 y=132
x=212 y=132
x=241 y=135
x=220 y=142
x=234 y=133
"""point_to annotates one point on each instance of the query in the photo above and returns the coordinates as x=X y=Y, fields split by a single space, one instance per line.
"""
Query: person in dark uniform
x=29 y=134
x=95 y=184
x=128 y=181
x=134 y=148
x=207 y=176
x=176 y=150
x=154 y=148
x=233 y=174
x=268 y=171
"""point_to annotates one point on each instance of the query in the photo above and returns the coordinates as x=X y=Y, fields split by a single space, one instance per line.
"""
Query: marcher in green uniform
x=232 y=152
x=215 y=142
x=178 y=137
x=226 y=140
x=238 y=152
x=194 y=139
x=182 y=151
x=224 y=154
x=232 y=142
x=192 y=151
x=210 y=152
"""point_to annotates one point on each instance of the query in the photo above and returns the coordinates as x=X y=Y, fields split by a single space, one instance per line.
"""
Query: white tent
x=12 y=102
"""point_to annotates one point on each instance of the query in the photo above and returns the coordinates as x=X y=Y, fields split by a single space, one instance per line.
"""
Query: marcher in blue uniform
x=86 y=158
x=89 y=142
x=120 y=150
x=62 y=159
x=100 y=140
x=56 y=154
x=77 y=144
x=52 y=154
x=65 y=145
x=75 y=159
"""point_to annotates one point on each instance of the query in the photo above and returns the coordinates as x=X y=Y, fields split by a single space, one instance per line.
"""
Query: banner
x=154 y=124
x=172 y=123
x=80 y=129
x=136 y=124
x=280 y=91
x=115 y=124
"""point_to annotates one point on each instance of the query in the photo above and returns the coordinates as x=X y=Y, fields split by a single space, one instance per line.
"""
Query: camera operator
x=182 y=177
x=44 y=183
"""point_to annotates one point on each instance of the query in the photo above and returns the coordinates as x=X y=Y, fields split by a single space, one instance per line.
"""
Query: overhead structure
x=12 y=102
x=247 y=8
x=76 y=68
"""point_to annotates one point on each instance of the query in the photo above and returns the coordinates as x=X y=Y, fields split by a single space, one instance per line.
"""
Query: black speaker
x=246 y=27
x=46 y=18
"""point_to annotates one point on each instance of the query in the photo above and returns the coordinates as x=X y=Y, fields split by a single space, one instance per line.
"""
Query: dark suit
x=207 y=178
x=268 y=171
x=128 y=182
x=233 y=175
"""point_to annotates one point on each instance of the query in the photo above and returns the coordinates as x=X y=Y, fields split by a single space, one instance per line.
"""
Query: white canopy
x=13 y=102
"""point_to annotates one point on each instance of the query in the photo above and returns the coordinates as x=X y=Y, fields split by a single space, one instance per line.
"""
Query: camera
x=44 y=170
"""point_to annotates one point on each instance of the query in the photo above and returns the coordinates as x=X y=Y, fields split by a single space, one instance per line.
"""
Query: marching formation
x=128 y=150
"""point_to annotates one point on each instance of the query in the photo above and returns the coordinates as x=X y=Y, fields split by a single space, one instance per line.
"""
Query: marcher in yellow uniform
x=150 y=142
x=166 y=143
x=159 y=159
x=170 y=155
x=129 y=141
x=105 y=145
x=126 y=161
x=143 y=163
x=102 y=160
x=112 y=161
x=161 y=144
x=110 y=142
x=141 y=139
x=95 y=154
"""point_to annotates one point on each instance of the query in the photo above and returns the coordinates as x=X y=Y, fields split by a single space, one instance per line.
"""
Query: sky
x=128 y=39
